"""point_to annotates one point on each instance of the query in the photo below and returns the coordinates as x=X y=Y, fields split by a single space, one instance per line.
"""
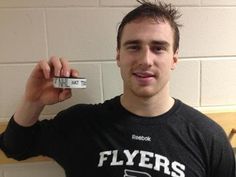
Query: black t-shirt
x=107 y=140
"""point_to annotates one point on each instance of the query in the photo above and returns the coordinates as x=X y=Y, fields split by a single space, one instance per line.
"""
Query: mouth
x=143 y=74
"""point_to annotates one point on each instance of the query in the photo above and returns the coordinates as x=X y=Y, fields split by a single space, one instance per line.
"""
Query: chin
x=144 y=93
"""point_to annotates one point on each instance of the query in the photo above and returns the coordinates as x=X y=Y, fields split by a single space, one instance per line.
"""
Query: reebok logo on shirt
x=141 y=138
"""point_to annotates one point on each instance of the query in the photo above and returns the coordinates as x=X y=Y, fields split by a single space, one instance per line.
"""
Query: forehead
x=147 y=30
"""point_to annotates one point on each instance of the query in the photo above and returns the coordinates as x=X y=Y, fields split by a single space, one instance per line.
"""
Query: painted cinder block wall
x=84 y=31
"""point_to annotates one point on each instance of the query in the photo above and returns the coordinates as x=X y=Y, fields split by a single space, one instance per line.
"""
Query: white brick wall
x=84 y=31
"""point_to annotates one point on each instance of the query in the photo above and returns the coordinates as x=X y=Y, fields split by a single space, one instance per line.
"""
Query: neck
x=147 y=106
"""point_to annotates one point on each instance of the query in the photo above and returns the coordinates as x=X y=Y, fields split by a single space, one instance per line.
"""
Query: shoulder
x=199 y=121
x=203 y=131
x=92 y=108
x=79 y=115
x=87 y=110
x=209 y=138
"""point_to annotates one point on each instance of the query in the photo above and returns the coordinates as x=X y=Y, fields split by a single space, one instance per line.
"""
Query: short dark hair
x=158 y=11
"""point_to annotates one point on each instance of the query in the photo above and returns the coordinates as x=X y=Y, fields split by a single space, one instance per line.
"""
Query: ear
x=175 y=59
x=118 y=57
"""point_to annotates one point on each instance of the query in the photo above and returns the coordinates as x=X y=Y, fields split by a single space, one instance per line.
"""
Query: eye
x=133 y=47
x=158 y=49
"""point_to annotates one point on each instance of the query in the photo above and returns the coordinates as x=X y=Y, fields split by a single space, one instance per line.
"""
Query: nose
x=146 y=58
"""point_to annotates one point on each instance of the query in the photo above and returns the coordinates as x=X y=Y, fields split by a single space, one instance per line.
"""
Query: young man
x=143 y=132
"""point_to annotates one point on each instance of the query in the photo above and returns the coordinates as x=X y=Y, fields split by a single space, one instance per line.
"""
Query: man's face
x=146 y=57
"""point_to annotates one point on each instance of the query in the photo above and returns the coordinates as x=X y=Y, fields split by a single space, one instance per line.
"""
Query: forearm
x=18 y=142
x=28 y=113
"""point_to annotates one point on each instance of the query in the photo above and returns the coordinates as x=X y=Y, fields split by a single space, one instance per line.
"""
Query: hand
x=39 y=87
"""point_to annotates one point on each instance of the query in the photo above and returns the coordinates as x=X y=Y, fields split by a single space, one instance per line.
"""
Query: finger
x=44 y=66
x=74 y=73
x=65 y=71
x=65 y=94
x=55 y=63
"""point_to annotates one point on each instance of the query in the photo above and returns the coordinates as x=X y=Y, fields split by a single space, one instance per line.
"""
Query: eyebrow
x=154 y=42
